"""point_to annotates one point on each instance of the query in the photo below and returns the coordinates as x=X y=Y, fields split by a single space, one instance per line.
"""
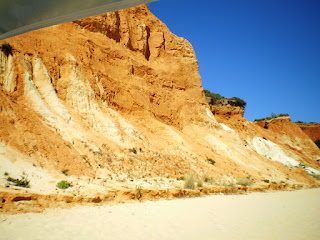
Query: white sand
x=279 y=215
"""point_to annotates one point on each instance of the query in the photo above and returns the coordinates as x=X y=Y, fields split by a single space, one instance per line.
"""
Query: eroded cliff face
x=115 y=101
x=311 y=129
x=126 y=67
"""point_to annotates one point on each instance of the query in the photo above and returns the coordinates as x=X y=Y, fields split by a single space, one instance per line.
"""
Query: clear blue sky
x=266 y=52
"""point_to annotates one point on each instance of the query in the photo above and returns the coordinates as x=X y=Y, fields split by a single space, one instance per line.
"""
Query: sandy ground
x=278 y=215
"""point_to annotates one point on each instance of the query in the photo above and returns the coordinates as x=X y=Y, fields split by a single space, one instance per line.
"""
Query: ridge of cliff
x=114 y=103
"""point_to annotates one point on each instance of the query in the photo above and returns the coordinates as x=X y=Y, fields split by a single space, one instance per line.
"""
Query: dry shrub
x=245 y=182
x=189 y=182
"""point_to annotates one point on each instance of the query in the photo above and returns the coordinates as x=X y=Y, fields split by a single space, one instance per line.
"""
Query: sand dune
x=278 y=215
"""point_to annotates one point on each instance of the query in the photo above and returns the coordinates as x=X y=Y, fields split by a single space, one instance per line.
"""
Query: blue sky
x=266 y=52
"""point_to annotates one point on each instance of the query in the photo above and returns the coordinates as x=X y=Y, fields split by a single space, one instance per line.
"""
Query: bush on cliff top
x=272 y=117
x=216 y=96
x=239 y=102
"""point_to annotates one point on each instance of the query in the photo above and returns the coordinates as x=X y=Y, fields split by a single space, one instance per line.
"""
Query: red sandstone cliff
x=115 y=102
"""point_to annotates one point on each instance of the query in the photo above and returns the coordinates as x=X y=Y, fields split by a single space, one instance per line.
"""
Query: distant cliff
x=311 y=129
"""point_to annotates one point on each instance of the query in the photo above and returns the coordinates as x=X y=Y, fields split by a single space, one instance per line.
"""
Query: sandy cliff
x=311 y=129
x=114 y=102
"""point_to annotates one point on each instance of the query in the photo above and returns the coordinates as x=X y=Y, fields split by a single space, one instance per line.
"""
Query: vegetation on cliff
x=22 y=182
x=273 y=115
x=317 y=142
x=214 y=97
x=306 y=122
x=63 y=184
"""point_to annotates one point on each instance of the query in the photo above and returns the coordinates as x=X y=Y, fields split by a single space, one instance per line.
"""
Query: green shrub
x=317 y=142
x=216 y=96
x=23 y=182
x=65 y=171
x=63 y=184
x=6 y=49
x=133 y=150
x=189 y=182
x=239 y=102
x=261 y=119
x=266 y=180
x=283 y=115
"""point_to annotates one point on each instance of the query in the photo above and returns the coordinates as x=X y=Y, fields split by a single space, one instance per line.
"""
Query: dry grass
x=245 y=182
x=199 y=183
x=189 y=182
x=138 y=192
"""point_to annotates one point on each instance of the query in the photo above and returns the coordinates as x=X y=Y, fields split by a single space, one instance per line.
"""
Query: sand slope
x=279 y=215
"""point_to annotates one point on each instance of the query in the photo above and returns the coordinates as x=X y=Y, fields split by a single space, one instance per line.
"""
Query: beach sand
x=276 y=215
